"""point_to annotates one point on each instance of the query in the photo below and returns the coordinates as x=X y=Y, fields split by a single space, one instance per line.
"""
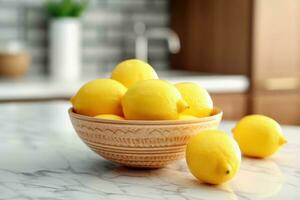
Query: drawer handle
x=282 y=83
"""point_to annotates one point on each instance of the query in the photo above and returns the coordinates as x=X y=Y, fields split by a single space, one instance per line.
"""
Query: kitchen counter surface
x=45 y=88
x=43 y=158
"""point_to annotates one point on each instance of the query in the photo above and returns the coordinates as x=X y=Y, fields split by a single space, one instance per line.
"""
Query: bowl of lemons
x=135 y=119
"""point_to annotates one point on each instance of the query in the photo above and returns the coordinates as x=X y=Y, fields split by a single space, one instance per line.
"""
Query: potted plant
x=65 y=38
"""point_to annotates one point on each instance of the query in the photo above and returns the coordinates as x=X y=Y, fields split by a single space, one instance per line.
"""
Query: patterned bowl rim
x=216 y=115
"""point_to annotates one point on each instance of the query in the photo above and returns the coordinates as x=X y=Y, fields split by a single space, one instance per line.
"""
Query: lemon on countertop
x=100 y=96
x=213 y=156
x=153 y=100
x=131 y=71
x=110 y=116
x=200 y=102
x=258 y=136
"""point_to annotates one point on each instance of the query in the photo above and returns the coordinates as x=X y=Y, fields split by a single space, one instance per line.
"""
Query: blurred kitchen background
x=245 y=52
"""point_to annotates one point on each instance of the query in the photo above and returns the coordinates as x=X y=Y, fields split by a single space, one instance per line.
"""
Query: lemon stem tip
x=282 y=141
x=182 y=106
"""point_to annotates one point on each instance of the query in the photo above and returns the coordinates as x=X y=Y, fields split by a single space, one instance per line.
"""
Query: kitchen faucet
x=143 y=35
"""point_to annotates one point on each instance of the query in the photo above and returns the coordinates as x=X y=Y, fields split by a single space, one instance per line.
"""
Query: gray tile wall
x=106 y=25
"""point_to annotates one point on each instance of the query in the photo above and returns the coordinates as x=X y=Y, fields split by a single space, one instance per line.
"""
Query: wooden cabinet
x=215 y=35
x=275 y=71
x=276 y=45
x=283 y=107
x=234 y=105
x=256 y=38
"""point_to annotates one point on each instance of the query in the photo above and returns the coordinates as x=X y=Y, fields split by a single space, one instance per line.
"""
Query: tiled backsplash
x=107 y=27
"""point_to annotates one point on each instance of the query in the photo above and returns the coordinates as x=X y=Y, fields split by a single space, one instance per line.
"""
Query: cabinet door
x=276 y=45
x=283 y=107
x=234 y=106
x=214 y=34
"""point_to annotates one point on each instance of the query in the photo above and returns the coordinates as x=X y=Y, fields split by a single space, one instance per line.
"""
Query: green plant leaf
x=66 y=8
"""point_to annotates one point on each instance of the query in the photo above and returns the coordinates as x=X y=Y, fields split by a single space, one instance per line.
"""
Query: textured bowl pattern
x=142 y=144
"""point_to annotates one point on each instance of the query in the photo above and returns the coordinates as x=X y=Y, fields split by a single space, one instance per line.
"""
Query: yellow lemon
x=258 y=136
x=131 y=71
x=110 y=116
x=100 y=96
x=200 y=102
x=213 y=156
x=184 y=116
x=153 y=100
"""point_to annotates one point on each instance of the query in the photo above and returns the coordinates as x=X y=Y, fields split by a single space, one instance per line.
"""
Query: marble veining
x=42 y=158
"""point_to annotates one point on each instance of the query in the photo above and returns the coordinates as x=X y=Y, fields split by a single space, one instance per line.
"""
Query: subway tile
x=153 y=49
x=22 y=2
x=40 y=36
x=92 y=34
x=116 y=34
x=99 y=17
x=158 y=4
x=100 y=68
x=9 y=16
x=39 y=58
x=36 y=36
x=34 y=16
x=128 y=4
x=88 y=69
x=107 y=33
x=98 y=3
x=101 y=51
x=159 y=64
x=151 y=18
x=38 y=52
x=9 y=33
x=157 y=52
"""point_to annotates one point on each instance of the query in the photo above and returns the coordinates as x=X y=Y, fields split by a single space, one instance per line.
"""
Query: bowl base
x=142 y=161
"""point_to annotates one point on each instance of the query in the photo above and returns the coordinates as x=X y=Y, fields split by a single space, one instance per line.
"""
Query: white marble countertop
x=42 y=158
x=44 y=87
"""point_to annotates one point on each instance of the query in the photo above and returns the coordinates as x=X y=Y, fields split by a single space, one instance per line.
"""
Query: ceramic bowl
x=141 y=144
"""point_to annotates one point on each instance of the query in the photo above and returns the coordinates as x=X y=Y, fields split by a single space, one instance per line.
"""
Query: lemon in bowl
x=153 y=100
x=109 y=117
x=187 y=117
x=100 y=96
x=132 y=71
x=199 y=100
